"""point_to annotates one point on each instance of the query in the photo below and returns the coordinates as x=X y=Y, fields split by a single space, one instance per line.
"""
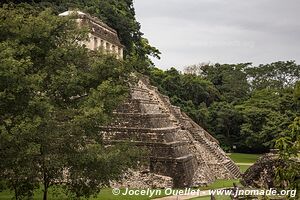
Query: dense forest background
x=245 y=107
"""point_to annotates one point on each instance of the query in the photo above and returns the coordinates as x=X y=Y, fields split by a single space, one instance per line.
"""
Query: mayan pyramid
x=179 y=147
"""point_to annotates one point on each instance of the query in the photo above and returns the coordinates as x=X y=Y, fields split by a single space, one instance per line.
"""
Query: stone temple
x=101 y=36
x=179 y=148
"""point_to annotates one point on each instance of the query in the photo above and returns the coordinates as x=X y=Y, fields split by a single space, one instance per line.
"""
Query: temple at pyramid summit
x=179 y=147
x=101 y=36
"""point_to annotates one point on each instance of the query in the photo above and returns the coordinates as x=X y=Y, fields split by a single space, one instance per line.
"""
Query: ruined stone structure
x=142 y=179
x=101 y=35
x=179 y=147
x=262 y=174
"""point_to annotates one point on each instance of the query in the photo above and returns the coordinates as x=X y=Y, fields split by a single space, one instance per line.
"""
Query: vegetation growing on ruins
x=118 y=14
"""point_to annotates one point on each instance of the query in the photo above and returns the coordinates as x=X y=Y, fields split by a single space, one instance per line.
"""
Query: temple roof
x=98 y=27
x=71 y=12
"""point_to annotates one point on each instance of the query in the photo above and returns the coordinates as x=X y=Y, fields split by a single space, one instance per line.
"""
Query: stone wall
x=179 y=148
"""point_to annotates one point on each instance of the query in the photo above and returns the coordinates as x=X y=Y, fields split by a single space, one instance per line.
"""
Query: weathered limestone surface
x=143 y=179
x=179 y=147
x=262 y=173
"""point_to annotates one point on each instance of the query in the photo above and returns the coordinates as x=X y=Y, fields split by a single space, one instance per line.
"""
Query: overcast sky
x=225 y=31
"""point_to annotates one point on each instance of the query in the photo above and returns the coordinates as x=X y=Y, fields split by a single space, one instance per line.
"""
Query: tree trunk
x=45 y=192
x=16 y=194
x=45 y=174
x=46 y=186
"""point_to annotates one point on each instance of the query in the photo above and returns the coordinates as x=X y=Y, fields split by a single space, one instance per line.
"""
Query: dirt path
x=248 y=164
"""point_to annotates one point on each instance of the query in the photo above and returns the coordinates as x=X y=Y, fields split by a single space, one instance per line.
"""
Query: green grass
x=243 y=168
x=6 y=195
x=106 y=194
x=54 y=194
x=244 y=158
x=241 y=158
x=221 y=183
x=201 y=198
x=57 y=194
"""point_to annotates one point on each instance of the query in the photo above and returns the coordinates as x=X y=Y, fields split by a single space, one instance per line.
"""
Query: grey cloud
x=231 y=31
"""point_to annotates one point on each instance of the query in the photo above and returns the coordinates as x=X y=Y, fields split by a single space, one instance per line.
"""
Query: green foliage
x=242 y=106
x=118 y=14
x=224 y=121
x=86 y=178
x=266 y=113
x=230 y=80
x=192 y=93
x=54 y=96
x=287 y=175
x=277 y=75
x=297 y=92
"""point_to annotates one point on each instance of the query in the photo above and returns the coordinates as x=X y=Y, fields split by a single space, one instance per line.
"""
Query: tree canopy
x=54 y=96
x=118 y=14
x=244 y=106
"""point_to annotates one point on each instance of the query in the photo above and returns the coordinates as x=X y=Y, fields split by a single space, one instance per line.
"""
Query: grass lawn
x=57 y=194
x=106 y=194
x=244 y=158
x=54 y=194
x=221 y=183
x=243 y=168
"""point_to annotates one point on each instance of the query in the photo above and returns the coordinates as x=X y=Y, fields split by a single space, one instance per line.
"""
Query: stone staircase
x=179 y=147
x=199 y=134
